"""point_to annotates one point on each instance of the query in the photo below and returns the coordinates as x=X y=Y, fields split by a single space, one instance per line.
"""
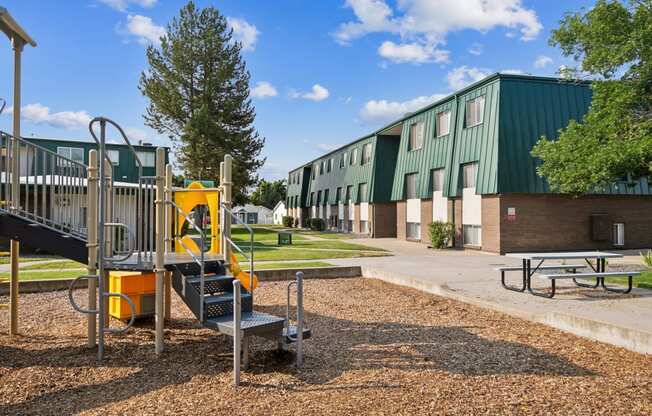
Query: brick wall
x=346 y=216
x=556 y=222
x=383 y=217
x=401 y=215
x=455 y=215
x=491 y=223
x=426 y=218
x=356 y=221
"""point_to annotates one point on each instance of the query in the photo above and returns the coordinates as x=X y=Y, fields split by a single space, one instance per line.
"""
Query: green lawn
x=45 y=275
x=284 y=253
x=239 y=233
x=322 y=244
x=68 y=264
x=7 y=259
x=293 y=265
x=643 y=281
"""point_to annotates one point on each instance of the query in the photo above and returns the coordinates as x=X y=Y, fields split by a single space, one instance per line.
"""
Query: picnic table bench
x=598 y=271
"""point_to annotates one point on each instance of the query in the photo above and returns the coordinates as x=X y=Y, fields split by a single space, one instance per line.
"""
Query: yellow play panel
x=189 y=198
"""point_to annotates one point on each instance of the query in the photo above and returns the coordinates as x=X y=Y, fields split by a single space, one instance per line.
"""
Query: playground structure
x=77 y=211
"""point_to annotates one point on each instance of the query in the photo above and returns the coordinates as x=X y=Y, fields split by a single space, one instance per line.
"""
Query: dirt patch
x=376 y=349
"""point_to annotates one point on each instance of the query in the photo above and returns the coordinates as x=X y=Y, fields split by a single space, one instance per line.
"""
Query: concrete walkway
x=624 y=320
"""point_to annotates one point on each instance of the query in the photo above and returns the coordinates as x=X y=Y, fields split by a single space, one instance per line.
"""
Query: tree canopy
x=612 y=42
x=268 y=194
x=198 y=89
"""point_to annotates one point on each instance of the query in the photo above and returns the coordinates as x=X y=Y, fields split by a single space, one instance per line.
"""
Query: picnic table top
x=562 y=255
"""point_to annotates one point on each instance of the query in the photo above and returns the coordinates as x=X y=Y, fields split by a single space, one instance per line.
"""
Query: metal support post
x=237 y=334
x=168 y=223
x=92 y=245
x=299 y=319
x=160 y=247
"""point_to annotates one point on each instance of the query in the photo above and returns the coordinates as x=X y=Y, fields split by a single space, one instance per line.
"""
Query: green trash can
x=284 y=239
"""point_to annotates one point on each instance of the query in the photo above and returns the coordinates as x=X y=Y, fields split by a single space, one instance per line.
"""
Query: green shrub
x=441 y=233
x=287 y=221
x=647 y=258
x=317 y=224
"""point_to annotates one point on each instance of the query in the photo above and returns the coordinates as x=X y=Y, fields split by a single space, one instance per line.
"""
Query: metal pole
x=299 y=319
x=160 y=247
x=237 y=335
x=101 y=242
x=91 y=214
x=222 y=216
x=227 y=185
x=168 y=239
x=17 y=44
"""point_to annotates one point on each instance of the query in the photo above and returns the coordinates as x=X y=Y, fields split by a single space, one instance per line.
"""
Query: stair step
x=252 y=323
x=221 y=305
x=210 y=279
x=212 y=284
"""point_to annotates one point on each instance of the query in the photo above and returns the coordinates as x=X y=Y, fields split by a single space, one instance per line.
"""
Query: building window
x=321 y=167
x=364 y=227
x=314 y=171
x=114 y=157
x=413 y=231
x=438 y=180
x=338 y=195
x=469 y=174
x=343 y=160
x=350 y=226
x=330 y=165
x=73 y=153
x=474 y=111
x=366 y=153
x=326 y=197
x=362 y=193
x=471 y=235
x=443 y=123
x=349 y=191
x=148 y=159
x=619 y=234
x=354 y=156
x=411 y=186
x=312 y=199
x=415 y=139
x=318 y=198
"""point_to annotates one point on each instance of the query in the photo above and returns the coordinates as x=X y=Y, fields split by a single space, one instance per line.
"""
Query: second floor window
x=114 y=157
x=438 y=180
x=362 y=192
x=415 y=140
x=330 y=164
x=349 y=191
x=354 y=156
x=338 y=195
x=411 y=186
x=443 y=123
x=474 y=111
x=148 y=159
x=469 y=175
x=366 y=153
x=73 y=153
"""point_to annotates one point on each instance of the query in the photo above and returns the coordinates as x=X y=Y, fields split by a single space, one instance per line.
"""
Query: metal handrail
x=131 y=246
x=251 y=246
x=201 y=261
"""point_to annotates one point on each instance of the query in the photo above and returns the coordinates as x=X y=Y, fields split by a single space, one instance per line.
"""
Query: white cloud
x=39 y=114
x=318 y=93
x=462 y=76
x=263 y=89
x=384 y=110
x=513 y=71
x=412 y=52
x=476 y=49
x=542 y=61
x=428 y=22
x=143 y=29
x=244 y=32
x=123 y=5
x=327 y=147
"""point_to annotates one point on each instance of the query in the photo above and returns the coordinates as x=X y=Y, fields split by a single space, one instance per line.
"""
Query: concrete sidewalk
x=623 y=320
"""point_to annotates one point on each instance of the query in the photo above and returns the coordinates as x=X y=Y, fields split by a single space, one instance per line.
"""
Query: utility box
x=140 y=287
x=600 y=229
x=284 y=239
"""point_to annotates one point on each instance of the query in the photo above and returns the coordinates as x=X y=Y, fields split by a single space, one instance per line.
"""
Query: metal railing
x=299 y=316
x=199 y=260
x=42 y=186
x=250 y=256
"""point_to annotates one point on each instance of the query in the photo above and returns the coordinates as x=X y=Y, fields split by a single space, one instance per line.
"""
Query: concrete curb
x=331 y=272
x=628 y=338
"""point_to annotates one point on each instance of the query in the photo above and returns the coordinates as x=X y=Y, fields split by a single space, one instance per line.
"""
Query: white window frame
x=148 y=159
x=474 y=231
x=363 y=196
x=470 y=172
x=443 y=115
x=67 y=152
x=415 y=136
x=618 y=234
x=474 y=114
x=413 y=230
x=366 y=153
x=354 y=156
x=416 y=185
x=114 y=156
x=438 y=179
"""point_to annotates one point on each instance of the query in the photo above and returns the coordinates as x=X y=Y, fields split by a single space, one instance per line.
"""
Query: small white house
x=279 y=212
x=254 y=214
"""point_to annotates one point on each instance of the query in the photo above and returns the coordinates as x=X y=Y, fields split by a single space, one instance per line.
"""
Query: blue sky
x=322 y=72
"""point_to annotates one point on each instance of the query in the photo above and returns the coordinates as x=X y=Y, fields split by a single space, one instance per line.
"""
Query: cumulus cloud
x=513 y=71
x=39 y=114
x=142 y=29
x=428 y=23
x=263 y=89
x=476 y=49
x=412 y=52
x=123 y=5
x=463 y=75
x=244 y=32
x=317 y=93
x=542 y=61
x=384 y=110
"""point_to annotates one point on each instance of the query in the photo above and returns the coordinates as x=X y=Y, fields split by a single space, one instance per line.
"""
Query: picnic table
x=596 y=260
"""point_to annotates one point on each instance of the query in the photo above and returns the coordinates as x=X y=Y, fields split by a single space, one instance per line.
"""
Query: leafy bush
x=647 y=258
x=441 y=233
x=287 y=221
x=317 y=224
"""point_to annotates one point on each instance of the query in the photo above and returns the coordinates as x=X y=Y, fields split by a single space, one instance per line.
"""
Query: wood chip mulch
x=376 y=349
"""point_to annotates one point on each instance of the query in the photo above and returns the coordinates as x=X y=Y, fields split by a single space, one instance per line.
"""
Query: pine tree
x=198 y=90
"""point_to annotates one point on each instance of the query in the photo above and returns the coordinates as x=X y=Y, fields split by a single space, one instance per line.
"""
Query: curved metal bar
x=124 y=137
x=132 y=307
x=72 y=300
x=131 y=245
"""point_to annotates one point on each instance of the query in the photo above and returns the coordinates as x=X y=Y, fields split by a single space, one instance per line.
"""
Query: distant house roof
x=278 y=204
x=251 y=208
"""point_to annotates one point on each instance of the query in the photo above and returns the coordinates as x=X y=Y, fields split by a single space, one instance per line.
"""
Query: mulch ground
x=376 y=349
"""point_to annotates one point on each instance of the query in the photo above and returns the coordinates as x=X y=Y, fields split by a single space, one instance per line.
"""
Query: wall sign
x=511 y=214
